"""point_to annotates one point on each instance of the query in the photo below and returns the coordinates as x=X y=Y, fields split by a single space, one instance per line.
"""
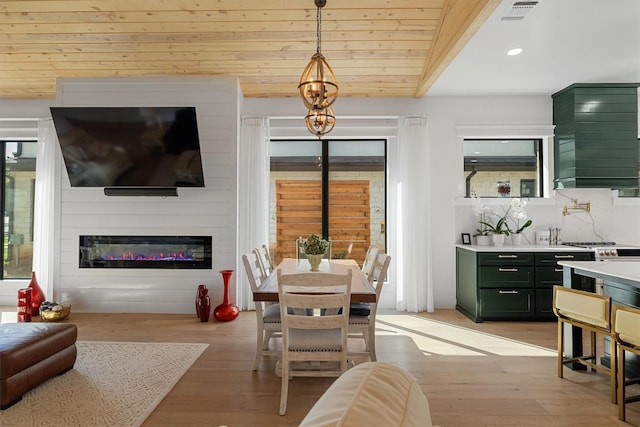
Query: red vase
x=37 y=296
x=226 y=311
x=204 y=307
x=200 y=292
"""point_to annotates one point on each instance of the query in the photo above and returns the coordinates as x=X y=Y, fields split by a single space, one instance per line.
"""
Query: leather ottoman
x=30 y=354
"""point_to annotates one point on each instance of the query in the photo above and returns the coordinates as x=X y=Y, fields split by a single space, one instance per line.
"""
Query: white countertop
x=523 y=248
x=628 y=270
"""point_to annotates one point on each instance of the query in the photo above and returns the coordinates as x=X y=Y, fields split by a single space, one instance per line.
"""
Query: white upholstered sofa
x=371 y=394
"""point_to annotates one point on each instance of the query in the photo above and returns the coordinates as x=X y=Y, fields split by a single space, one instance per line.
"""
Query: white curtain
x=415 y=286
x=44 y=212
x=253 y=203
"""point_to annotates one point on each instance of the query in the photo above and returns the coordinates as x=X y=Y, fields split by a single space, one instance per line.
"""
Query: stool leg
x=613 y=363
x=560 y=347
x=621 y=390
x=593 y=349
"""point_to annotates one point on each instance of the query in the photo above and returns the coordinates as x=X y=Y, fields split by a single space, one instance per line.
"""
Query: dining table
x=361 y=289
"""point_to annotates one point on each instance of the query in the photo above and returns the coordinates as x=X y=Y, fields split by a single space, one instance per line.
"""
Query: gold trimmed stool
x=589 y=312
x=626 y=333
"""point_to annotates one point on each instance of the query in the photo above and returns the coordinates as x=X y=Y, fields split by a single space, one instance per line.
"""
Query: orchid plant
x=481 y=211
x=517 y=214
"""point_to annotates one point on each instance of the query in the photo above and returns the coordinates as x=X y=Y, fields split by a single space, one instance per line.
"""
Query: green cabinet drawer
x=551 y=258
x=544 y=304
x=505 y=277
x=546 y=277
x=507 y=304
x=505 y=258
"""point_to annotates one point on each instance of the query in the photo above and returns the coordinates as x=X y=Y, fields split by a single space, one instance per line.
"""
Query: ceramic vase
x=204 y=308
x=203 y=303
x=516 y=239
x=314 y=261
x=226 y=311
x=498 y=239
x=200 y=292
x=483 y=240
x=37 y=296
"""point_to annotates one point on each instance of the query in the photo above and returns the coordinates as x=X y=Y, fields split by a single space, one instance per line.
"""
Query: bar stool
x=626 y=333
x=590 y=312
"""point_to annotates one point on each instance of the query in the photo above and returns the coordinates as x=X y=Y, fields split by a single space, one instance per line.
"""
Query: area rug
x=112 y=384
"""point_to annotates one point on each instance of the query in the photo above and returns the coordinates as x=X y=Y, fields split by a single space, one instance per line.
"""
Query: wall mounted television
x=130 y=146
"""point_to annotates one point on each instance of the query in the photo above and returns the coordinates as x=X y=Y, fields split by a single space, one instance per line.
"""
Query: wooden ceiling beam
x=459 y=21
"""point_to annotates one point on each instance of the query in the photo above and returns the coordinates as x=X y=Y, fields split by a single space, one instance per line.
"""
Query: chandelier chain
x=318 y=29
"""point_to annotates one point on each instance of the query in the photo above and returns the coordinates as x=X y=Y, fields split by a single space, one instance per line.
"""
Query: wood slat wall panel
x=298 y=214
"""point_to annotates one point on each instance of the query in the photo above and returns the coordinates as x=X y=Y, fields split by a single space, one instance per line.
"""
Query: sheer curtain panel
x=253 y=196
x=44 y=211
x=415 y=286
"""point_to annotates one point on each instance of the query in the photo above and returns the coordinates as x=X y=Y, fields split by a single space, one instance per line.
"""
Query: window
x=334 y=188
x=503 y=167
x=18 y=189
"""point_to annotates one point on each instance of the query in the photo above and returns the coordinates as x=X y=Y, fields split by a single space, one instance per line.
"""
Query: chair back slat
x=253 y=270
x=369 y=260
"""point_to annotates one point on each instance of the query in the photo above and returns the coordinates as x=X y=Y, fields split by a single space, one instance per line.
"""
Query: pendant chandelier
x=318 y=87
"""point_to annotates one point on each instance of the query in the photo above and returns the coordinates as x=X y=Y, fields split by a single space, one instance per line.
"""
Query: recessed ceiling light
x=514 y=51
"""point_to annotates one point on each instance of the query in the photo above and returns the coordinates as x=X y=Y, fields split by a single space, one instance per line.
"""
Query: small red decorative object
x=24 y=305
x=204 y=306
x=226 y=311
x=202 y=291
x=37 y=296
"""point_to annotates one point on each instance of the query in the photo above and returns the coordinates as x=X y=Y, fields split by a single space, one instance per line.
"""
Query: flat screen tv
x=130 y=146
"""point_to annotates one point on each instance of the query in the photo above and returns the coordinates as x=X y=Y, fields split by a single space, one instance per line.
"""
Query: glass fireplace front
x=186 y=252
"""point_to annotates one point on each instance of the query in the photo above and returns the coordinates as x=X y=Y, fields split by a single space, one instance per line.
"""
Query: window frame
x=5 y=235
x=539 y=168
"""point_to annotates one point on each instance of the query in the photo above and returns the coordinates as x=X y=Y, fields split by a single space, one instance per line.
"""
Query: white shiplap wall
x=196 y=211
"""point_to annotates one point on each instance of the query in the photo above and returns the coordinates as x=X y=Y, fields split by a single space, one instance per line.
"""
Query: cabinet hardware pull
x=558 y=270
x=507 y=292
x=564 y=256
x=508 y=269
x=507 y=256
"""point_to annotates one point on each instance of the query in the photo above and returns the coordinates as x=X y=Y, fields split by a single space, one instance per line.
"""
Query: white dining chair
x=364 y=325
x=317 y=342
x=267 y=315
x=369 y=260
x=266 y=264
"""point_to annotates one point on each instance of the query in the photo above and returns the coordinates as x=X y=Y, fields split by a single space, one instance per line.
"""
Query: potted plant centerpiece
x=315 y=248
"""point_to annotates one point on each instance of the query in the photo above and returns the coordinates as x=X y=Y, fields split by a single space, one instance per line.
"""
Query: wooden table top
x=361 y=290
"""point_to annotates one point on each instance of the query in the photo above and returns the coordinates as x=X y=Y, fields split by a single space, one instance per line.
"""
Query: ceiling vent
x=518 y=10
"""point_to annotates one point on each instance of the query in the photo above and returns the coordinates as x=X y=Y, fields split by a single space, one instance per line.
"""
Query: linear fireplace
x=186 y=252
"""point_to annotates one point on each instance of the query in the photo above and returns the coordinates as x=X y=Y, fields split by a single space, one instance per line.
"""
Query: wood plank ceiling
x=377 y=48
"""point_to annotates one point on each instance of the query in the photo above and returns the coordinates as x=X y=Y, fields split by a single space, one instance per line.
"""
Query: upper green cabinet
x=596 y=136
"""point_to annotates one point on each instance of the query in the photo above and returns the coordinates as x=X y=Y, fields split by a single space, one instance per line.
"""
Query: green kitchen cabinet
x=547 y=274
x=509 y=284
x=596 y=136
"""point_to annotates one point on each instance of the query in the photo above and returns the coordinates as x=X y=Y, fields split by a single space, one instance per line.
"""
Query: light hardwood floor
x=487 y=374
